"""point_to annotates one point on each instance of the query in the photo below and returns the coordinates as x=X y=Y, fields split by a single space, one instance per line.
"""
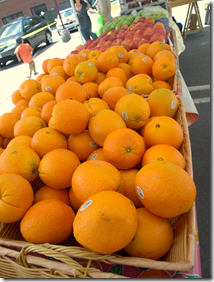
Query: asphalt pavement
x=195 y=66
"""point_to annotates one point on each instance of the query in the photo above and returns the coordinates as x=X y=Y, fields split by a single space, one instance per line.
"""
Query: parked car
x=68 y=20
x=32 y=29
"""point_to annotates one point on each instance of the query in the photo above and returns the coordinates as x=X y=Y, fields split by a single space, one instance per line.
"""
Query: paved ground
x=195 y=66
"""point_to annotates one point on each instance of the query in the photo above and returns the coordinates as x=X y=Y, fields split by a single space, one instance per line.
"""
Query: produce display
x=99 y=129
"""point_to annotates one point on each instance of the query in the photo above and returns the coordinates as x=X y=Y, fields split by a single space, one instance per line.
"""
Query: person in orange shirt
x=23 y=53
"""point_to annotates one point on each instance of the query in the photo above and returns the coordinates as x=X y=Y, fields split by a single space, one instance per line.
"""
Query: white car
x=68 y=20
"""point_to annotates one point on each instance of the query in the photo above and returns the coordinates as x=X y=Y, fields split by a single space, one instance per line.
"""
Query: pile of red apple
x=130 y=37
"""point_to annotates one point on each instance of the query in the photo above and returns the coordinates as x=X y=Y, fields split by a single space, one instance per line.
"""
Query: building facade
x=11 y=9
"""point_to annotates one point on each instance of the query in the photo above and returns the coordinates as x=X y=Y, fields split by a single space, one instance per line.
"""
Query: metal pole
x=76 y=18
x=57 y=8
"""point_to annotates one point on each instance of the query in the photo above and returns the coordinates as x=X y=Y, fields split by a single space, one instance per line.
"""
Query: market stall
x=22 y=259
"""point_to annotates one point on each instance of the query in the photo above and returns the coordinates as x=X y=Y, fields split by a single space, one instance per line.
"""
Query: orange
x=21 y=140
x=16 y=197
x=16 y=97
x=164 y=68
x=128 y=185
x=59 y=70
x=7 y=123
x=41 y=98
x=168 y=47
x=100 y=77
x=74 y=202
x=143 y=48
x=108 y=83
x=82 y=145
x=32 y=111
x=163 y=152
x=44 y=66
x=94 y=176
x=20 y=159
x=154 y=48
x=121 y=53
x=154 y=241
x=47 y=110
x=97 y=154
x=29 y=87
x=113 y=94
x=51 y=83
x=165 y=189
x=140 y=84
x=86 y=72
x=44 y=77
x=40 y=76
x=142 y=129
x=47 y=139
x=163 y=102
x=70 y=117
x=124 y=148
x=134 y=109
x=94 y=54
x=46 y=192
x=19 y=109
x=70 y=63
x=141 y=64
x=72 y=78
x=28 y=126
x=117 y=72
x=105 y=223
x=84 y=53
x=54 y=62
x=106 y=61
x=93 y=105
x=70 y=90
x=163 y=130
x=133 y=56
x=57 y=167
x=45 y=222
x=91 y=90
x=161 y=84
x=23 y=102
x=102 y=123
x=126 y=68
x=164 y=53
x=131 y=52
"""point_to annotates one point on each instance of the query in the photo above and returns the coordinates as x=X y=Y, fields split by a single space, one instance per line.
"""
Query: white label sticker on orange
x=90 y=64
x=140 y=192
x=173 y=105
x=84 y=54
x=84 y=206
x=121 y=56
x=55 y=73
x=48 y=88
x=94 y=156
x=144 y=59
x=128 y=88
x=92 y=144
x=124 y=115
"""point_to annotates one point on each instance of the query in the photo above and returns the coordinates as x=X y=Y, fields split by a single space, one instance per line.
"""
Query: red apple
x=121 y=37
x=137 y=37
x=142 y=42
x=88 y=43
x=139 y=32
x=117 y=41
x=142 y=19
x=147 y=24
x=107 y=43
x=129 y=37
x=124 y=26
x=147 y=37
x=126 y=42
x=127 y=47
x=101 y=43
x=79 y=47
x=158 y=25
x=157 y=37
x=74 y=52
x=160 y=31
x=104 y=48
x=134 y=44
x=150 y=20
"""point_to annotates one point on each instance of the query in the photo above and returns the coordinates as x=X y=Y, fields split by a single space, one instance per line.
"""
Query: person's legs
x=30 y=68
x=85 y=34
x=34 y=68
x=93 y=35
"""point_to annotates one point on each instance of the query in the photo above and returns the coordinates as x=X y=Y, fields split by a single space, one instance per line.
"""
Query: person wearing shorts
x=23 y=53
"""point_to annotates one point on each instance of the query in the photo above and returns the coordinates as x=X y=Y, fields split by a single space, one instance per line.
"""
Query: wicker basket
x=20 y=259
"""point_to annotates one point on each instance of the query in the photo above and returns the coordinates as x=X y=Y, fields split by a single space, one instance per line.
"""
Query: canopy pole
x=57 y=8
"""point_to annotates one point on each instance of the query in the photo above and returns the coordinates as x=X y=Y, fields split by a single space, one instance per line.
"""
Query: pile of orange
x=105 y=152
